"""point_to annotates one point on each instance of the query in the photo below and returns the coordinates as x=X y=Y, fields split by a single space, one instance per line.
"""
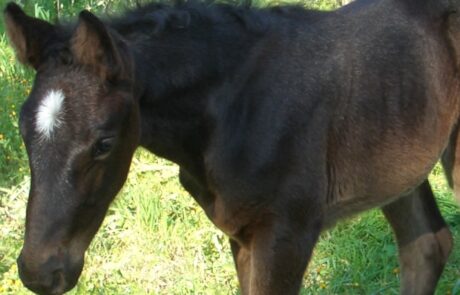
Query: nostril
x=19 y=259
x=24 y=273
x=20 y=262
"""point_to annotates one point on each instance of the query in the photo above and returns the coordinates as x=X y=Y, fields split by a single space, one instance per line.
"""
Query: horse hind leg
x=451 y=163
x=424 y=240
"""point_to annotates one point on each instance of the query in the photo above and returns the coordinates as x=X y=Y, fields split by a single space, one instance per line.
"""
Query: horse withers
x=282 y=121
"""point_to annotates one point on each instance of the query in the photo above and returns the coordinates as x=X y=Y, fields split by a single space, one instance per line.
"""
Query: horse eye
x=103 y=147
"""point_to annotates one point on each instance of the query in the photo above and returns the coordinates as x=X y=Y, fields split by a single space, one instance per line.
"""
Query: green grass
x=156 y=239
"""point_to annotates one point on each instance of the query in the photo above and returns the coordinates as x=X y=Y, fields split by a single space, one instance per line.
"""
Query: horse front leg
x=280 y=249
x=242 y=259
x=423 y=238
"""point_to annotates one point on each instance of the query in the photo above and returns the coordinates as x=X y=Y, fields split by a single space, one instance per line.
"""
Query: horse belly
x=369 y=177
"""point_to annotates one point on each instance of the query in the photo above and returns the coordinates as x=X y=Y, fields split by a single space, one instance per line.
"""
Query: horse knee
x=430 y=251
x=423 y=260
x=445 y=243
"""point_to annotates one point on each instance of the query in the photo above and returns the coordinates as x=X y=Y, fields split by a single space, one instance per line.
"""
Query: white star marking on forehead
x=49 y=113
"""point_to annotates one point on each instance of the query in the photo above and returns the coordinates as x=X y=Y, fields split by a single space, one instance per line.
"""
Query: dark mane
x=159 y=18
x=168 y=16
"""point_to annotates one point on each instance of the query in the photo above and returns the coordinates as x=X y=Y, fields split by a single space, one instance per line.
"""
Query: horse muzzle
x=56 y=275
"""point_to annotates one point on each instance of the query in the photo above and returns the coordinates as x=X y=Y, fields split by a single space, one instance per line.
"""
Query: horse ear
x=94 y=46
x=28 y=35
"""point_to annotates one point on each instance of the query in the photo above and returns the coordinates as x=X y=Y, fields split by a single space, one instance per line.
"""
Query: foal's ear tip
x=87 y=16
x=84 y=14
x=13 y=9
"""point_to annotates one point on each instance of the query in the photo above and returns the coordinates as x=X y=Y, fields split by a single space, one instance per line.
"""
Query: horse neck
x=176 y=75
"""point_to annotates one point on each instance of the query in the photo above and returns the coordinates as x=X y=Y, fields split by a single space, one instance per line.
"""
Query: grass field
x=156 y=240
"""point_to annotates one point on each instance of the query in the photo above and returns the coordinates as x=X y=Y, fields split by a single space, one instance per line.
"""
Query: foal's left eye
x=103 y=147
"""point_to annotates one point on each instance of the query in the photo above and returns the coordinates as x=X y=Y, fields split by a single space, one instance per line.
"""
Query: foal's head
x=80 y=126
